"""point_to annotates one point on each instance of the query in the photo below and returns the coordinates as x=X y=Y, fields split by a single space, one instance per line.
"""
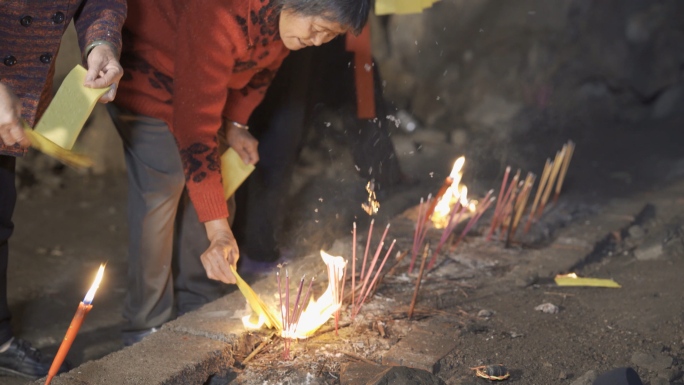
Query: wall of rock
x=498 y=70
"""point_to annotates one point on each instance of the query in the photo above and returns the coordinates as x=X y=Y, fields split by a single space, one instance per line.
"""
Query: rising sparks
x=372 y=207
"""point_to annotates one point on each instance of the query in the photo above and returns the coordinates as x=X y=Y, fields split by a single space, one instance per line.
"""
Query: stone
x=423 y=347
x=485 y=313
x=585 y=379
x=402 y=375
x=636 y=231
x=649 y=251
x=358 y=373
x=669 y=374
x=651 y=362
x=547 y=308
x=659 y=381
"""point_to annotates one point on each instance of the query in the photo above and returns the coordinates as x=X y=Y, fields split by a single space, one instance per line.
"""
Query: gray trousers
x=165 y=237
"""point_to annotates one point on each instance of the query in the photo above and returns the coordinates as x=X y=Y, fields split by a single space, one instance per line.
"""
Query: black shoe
x=24 y=360
x=133 y=337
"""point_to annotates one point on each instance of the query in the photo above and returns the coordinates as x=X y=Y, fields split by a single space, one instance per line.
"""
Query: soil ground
x=64 y=232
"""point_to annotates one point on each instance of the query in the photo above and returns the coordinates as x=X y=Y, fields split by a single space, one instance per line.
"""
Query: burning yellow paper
x=233 y=171
x=63 y=155
x=257 y=305
x=573 y=280
x=316 y=311
x=387 y=7
x=67 y=113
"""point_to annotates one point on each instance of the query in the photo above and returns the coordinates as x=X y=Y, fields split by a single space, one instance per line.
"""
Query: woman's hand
x=240 y=140
x=11 y=130
x=104 y=70
x=222 y=252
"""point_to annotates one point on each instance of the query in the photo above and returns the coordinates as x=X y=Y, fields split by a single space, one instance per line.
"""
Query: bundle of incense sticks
x=420 y=230
x=290 y=319
x=366 y=284
x=454 y=218
x=553 y=172
x=503 y=207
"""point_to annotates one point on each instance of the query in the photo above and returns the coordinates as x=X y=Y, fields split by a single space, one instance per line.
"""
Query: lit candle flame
x=93 y=288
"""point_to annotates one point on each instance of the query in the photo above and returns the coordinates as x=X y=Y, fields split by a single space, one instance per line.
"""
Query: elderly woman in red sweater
x=193 y=68
x=30 y=36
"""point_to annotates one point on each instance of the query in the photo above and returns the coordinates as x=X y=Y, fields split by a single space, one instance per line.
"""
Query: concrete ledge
x=165 y=357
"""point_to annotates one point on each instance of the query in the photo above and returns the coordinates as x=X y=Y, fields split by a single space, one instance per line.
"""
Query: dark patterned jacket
x=192 y=63
x=30 y=35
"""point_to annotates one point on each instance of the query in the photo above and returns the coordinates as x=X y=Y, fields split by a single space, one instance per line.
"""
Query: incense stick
x=524 y=197
x=365 y=279
x=564 y=169
x=365 y=253
x=353 y=274
x=498 y=217
x=377 y=272
x=552 y=178
x=419 y=236
x=420 y=278
x=540 y=188
x=499 y=202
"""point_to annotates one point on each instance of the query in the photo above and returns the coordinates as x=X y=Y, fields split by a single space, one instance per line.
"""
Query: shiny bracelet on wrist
x=238 y=125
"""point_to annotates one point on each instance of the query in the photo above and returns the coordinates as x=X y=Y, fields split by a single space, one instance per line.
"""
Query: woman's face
x=299 y=31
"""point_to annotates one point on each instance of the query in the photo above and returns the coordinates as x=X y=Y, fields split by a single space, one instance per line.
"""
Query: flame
x=317 y=311
x=455 y=193
x=373 y=205
x=93 y=288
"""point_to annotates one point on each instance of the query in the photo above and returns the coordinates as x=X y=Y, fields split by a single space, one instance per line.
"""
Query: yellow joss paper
x=65 y=156
x=233 y=171
x=574 y=280
x=387 y=7
x=257 y=305
x=67 y=113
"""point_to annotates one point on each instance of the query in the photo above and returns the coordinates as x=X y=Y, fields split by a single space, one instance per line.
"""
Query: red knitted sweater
x=190 y=63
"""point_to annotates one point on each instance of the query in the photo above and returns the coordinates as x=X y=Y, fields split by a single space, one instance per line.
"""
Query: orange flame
x=456 y=193
x=93 y=288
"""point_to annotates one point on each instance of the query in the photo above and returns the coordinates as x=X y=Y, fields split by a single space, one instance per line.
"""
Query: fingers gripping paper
x=233 y=171
x=67 y=113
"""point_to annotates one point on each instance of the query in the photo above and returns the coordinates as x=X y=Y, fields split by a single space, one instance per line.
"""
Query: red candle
x=83 y=309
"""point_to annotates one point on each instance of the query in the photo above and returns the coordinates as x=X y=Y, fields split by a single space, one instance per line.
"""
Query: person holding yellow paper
x=30 y=36
x=204 y=65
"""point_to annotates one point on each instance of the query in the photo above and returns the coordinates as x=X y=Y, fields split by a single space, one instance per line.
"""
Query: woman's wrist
x=238 y=125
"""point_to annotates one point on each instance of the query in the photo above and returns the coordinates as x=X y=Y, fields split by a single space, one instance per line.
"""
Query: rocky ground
x=503 y=85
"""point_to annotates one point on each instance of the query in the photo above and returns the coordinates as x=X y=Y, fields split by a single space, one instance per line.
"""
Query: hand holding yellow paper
x=57 y=130
x=70 y=108
x=233 y=171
